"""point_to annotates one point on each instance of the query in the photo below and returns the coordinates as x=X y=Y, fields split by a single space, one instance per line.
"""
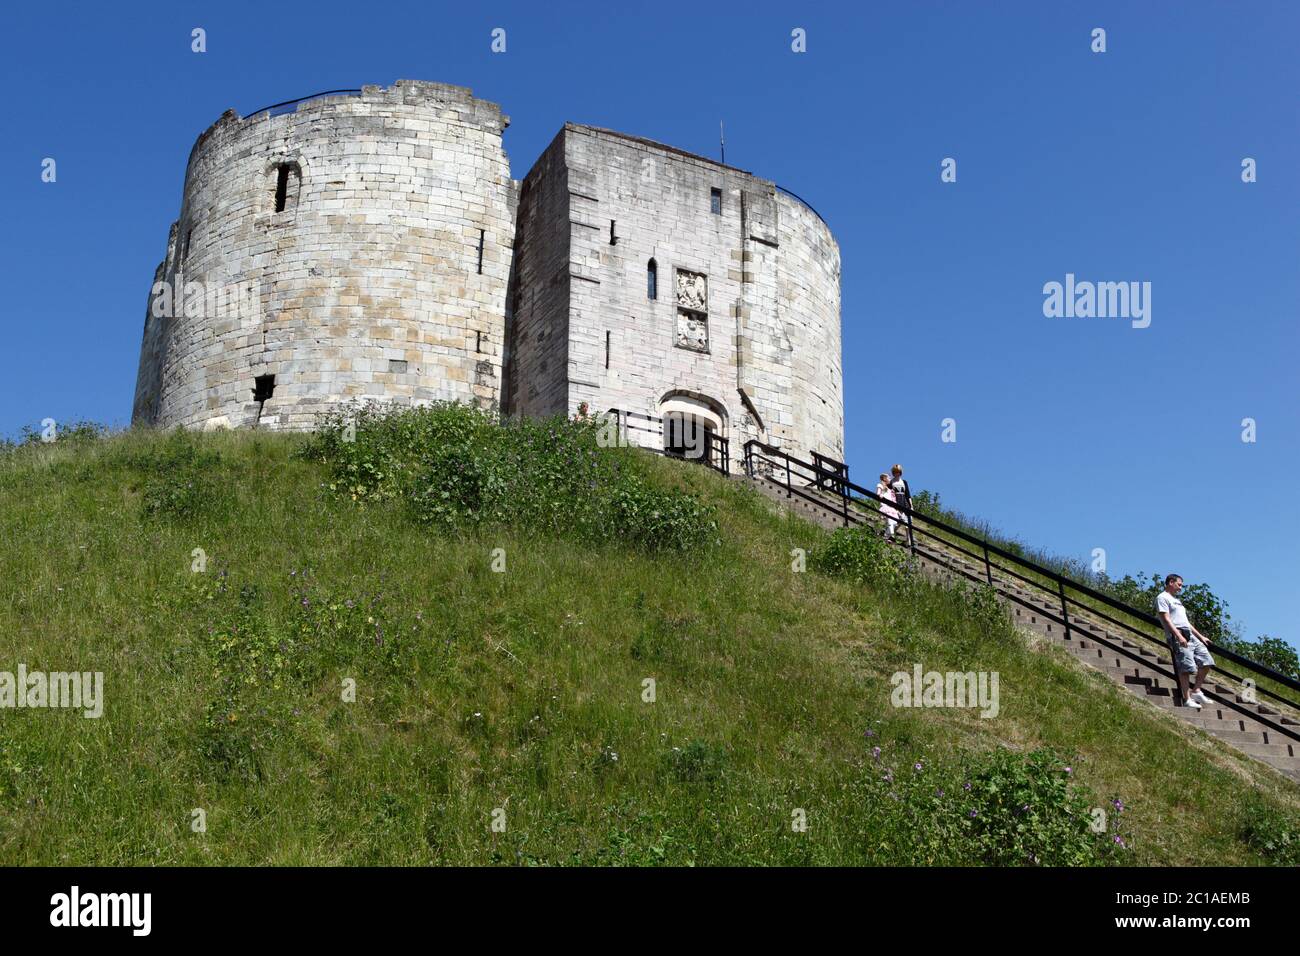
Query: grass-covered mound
x=307 y=640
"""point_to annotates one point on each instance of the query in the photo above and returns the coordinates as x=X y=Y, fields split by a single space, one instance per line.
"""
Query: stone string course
x=367 y=284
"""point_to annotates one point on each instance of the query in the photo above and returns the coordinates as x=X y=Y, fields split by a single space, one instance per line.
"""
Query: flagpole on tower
x=722 y=141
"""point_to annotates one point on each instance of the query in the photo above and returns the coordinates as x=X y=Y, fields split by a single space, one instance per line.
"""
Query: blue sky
x=1072 y=434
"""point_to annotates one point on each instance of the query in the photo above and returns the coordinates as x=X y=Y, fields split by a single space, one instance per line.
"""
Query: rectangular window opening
x=478 y=342
x=606 y=349
x=481 y=234
x=263 y=389
x=613 y=239
x=281 y=186
x=715 y=201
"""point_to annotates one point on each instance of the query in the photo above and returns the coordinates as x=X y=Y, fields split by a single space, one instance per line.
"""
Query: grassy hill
x=519 y=696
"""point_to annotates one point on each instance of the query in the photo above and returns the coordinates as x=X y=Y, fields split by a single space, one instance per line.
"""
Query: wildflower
x=917 y=766
x=974 y=813
x=1118 y=804
x=1069 y=770
x=1119 y=840
x=875 y=753
x=939 y=792
x=966 y=786
x=869 y=733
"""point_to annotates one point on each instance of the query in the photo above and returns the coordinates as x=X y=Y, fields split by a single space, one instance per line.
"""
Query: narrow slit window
x=281 y=187
x=288 y=183
x=478 y=342
x=652 y=280
x=481 y=234
x=715 y=201
x=613 y=239
x=189 y=235
x=607 y=349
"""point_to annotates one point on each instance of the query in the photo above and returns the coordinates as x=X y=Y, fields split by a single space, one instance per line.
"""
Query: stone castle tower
x=374 y=246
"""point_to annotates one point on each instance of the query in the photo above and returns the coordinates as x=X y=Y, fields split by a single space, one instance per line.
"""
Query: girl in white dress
x=886 y=494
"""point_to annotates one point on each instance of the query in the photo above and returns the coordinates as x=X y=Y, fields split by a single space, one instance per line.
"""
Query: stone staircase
x=1140 y=667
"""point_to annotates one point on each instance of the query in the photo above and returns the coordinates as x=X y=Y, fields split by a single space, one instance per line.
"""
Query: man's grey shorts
x=1192 y=656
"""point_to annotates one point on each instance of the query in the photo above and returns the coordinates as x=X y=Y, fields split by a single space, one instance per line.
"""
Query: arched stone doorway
x=694 y=426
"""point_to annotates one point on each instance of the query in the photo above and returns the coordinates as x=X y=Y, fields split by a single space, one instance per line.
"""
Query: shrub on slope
x=457 y=467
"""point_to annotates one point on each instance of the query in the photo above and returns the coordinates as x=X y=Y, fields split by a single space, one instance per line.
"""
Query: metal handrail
x=715 y=442
x=989 y=548
x=789 y=192
x=310 y=96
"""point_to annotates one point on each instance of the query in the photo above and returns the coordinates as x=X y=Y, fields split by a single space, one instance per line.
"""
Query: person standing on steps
x=1187 y=643
x=903 y=495
x=887 y=498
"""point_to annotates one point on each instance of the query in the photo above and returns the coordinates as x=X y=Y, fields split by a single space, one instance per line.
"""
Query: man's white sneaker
x=1193 y=703
x=1200 y=696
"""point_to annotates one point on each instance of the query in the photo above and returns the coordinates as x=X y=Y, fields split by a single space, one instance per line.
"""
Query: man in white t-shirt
x=1186 y=642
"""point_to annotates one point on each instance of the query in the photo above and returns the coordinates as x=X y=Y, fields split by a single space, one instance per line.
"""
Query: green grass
x=522 y=691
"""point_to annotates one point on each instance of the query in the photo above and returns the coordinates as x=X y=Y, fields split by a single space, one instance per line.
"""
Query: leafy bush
x=67 y=433
x=1272 y=652
x=1002 y=808
x=655 y=520
x=861 y=555
x=1272 y=832
x=1026 y=811
x=458 y=468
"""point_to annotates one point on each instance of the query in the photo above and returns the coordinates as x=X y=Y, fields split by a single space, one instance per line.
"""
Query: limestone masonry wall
x=367 y=283
x=768 y=363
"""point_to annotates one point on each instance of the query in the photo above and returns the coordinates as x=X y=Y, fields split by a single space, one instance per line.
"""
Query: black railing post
x=788 y=492
x=988 y=568
x=1065 y=611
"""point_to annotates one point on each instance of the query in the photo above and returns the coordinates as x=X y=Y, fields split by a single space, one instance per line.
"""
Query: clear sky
x=1072 y=433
